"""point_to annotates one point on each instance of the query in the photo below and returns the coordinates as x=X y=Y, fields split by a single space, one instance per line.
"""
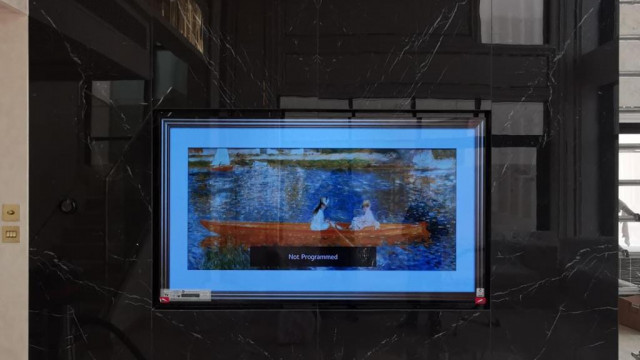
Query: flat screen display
x=304 y=210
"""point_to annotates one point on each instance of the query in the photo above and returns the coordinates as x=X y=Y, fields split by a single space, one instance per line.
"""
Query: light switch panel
x=10 y=212
x=10 y=234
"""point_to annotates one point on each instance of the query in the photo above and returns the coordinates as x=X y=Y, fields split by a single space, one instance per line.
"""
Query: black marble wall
x=546 y=68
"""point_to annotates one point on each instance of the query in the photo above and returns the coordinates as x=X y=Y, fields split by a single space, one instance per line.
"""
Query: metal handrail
x=627 y=218
x=628 y=182
x=629 y=147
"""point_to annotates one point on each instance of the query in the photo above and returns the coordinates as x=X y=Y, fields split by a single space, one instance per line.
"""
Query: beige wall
x=14 y=173
x=21 y=6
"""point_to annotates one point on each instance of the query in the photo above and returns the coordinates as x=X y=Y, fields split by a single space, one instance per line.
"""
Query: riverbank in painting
x=285 y=185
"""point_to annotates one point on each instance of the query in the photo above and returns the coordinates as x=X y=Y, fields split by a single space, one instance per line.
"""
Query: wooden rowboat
x=298 y=234
x=223 y=168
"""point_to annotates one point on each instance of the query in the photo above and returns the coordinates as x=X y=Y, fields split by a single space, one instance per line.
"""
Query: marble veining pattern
x=553 y=243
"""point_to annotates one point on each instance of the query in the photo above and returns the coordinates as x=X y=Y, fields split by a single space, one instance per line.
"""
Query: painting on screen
x=397 y=206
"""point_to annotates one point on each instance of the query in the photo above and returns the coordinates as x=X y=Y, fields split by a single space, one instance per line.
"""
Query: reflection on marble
x=98 y=69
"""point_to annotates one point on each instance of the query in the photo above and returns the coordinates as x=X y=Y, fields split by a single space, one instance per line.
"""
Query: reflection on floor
x=628 y=342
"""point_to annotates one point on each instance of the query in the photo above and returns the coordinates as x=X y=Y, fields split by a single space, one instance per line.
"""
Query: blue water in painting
x=262 y=192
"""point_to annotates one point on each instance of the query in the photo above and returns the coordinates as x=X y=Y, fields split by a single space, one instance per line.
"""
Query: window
x=512 y=22
x=629 y=190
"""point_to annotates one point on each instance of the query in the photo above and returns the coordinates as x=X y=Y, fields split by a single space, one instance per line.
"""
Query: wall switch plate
x=10 y=212
x=10 y=234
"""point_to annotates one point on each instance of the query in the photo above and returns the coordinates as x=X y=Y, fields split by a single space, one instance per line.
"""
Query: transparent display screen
x=253 y=210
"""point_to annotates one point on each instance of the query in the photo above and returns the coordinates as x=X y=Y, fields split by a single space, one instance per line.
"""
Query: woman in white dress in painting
x=365 y=220
x=318 y=222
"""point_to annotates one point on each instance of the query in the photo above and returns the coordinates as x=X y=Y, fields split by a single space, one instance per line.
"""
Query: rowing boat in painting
x=299 y=234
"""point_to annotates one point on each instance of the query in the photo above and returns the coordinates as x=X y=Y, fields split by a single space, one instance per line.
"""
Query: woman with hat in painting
x=365 y=220
x=318 y=222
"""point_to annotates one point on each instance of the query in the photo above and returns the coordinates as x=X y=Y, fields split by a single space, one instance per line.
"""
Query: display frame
x=326 y=118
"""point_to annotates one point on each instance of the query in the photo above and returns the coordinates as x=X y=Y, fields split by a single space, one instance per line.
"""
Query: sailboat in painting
x=221 y=161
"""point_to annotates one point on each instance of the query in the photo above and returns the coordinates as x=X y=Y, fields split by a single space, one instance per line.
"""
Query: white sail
x=425 y=160
x=221 y=158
